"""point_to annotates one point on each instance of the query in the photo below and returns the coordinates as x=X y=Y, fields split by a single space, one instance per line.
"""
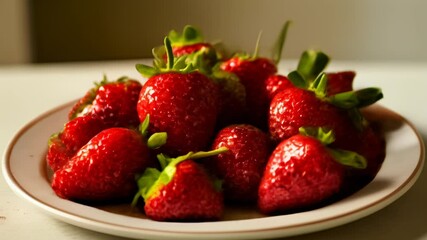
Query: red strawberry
x=183 y=191
x=112 y=102
x=232 y=96
x=277 y=83
x=105 y=168
x=339 y=82
x=75 y=134
x=303 y=173
x=242 y=166
x=253 y=72
x=369 y=143
x=184 y=104
x=296 y=107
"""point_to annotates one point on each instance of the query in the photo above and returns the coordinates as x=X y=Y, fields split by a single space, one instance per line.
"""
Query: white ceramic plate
x=25 y=171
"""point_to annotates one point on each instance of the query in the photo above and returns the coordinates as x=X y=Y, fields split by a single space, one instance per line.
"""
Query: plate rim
x=76 y=219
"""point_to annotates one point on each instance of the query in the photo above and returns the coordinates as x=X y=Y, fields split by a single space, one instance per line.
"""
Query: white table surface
x=30 y=90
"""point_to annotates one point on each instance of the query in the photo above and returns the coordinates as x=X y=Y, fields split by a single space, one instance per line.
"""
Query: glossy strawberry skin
x=75 y=134
x=300 y=175
x=185 y=106
x=294 y=108
x=371 y=144
x=253 y=75
x=242 y=166
x=114 y=103
x=277 y=83
x=340 y=82
x=189 y=196
x=103 y=169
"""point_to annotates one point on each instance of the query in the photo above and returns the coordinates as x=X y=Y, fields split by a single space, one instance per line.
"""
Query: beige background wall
x=82 y=30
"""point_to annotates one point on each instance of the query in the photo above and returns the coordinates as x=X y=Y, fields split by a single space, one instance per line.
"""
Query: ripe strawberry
x=253 y=72
x=303 y=173
x=369 y=143
x=75 y=134
x=183 y=191
x=232 y=98
x=104 y=168
x=277 y=83
x=297 y=107
x=112 y=102
x=242 y=166
x=339 y=82
x=184 y=104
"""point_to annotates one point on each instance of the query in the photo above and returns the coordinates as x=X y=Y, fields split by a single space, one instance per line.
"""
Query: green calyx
x=312 y=63
x=184 y=64
x=326 y=137
x=190 y=35
x=156 y=140
x=359 y=98
x=346 y=100
x=152 y=180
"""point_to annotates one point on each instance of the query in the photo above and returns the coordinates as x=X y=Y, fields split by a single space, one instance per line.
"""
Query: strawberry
x=253 y=71
x=232 y=98
x=112 y=102
x=242 y=166
x=180 y=101
x=75 y=134
x=308 y=105
x=105 y=167
x=369 y=143
x=303 y=173
x=182 y=191
x=339 y=82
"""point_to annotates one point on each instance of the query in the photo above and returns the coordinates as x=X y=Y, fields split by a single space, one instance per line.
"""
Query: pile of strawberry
x=207 y=130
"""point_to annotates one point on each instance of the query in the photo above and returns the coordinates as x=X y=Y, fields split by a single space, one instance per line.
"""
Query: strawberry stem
x=256 y=51
x=169 y=53
x=280 y=42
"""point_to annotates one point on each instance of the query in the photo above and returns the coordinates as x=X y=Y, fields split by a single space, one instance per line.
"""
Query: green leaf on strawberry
x=344 y=157
x=190 y=35
x=312 y=63
x=156 y=140
x=152 y=179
